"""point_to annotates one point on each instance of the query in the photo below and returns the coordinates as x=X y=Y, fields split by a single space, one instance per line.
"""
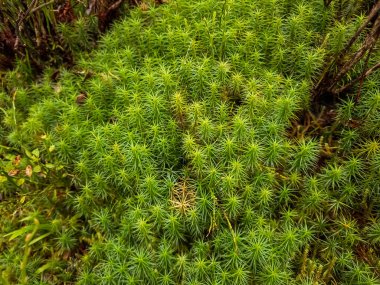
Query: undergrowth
x=171 y=155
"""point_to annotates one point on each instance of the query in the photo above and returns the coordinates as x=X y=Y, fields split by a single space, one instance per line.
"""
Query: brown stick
x=353 y=82
x=364 y=70
x=22 y=16
x=41 y=6
x=326 y=75
x=91 y=5
x=114 y=6
x=327 y=2
x=368 y=44
x=19 y=21
x=104 y=16
x=371 y=16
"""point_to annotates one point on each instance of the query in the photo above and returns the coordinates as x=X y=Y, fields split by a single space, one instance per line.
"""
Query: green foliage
x=167 y=156
x=44 y=32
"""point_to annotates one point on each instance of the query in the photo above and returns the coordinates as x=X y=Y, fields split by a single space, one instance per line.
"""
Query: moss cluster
x=180 y=162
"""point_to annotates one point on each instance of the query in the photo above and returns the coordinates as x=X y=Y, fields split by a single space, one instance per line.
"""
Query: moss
x=172 y=154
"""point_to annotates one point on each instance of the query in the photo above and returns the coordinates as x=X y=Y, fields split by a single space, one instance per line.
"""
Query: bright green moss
x=175 y=133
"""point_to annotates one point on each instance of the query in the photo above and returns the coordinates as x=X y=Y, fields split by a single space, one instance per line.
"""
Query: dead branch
x=356 y=80
x=329 y=81
x=327 y=2
x=369 y=42
x=114 y=6
x=21 y=17
x=41 y=6
x=373 y=13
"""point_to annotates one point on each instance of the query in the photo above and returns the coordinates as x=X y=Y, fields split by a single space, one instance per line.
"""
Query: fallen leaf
x=66 y=255
x=13 y=172
x=144 y=7
x=81 y=98
x=29 y=171
x=28 y=237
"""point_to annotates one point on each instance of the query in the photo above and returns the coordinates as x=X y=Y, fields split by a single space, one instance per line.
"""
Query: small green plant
x=184 y=150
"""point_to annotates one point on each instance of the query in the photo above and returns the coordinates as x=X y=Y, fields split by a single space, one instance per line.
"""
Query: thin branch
x=369 y=42
x=90 y=7
x=356 y=80
x=327 y=2
x=232 y=231
x=20 y=19
x=373 y=13
x=326 y=74
x=114 y=6
x=23 y=16
x=41 y=6
x=364 y=71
